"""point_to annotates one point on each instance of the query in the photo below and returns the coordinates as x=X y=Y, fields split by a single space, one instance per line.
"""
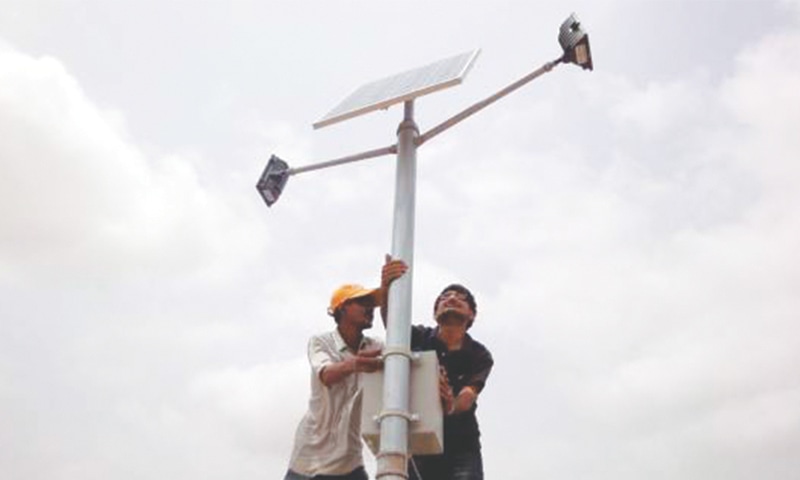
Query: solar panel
x=399 y=88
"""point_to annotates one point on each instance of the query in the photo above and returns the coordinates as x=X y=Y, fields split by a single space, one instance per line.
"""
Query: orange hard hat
x=348 y=292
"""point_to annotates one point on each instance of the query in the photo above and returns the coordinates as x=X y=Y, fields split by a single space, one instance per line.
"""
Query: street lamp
x=405 y=88
x=272 y=181
x=575 y=42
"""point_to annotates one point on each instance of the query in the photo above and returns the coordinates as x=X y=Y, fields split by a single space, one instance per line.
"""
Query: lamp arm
x=469 y=111
x=350 y=158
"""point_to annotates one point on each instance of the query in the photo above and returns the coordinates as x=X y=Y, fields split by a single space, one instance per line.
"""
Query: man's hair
x=458 y=288
x=337 y=314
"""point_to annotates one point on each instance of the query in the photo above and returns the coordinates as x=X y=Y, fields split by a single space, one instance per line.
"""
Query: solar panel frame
x=404 y=86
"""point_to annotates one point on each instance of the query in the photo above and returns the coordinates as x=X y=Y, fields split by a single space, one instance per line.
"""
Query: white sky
x=631 y=234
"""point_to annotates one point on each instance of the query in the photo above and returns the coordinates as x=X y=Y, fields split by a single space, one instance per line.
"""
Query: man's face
x=359 y=312
x=452 y=309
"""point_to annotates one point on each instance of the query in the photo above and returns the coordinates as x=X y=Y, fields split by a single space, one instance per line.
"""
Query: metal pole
x=393 y=456
x=350 y=158
x=469 y=111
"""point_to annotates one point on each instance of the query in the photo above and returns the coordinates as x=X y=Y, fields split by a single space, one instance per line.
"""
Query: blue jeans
x=357 y=474
x=451 y=466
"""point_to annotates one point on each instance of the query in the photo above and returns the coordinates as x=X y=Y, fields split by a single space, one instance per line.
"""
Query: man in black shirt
x=466 y=365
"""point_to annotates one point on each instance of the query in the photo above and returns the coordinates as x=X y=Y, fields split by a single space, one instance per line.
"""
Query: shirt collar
x=341 y=345
x=465 y=344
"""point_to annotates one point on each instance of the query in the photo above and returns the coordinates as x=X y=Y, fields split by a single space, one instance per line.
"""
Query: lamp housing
x=273 y=180
x=575 y=42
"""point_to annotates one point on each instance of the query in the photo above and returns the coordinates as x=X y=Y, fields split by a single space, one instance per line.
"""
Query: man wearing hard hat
x=328 y=440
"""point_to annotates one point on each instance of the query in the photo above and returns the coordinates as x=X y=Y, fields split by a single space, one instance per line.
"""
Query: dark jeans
x=451 y=466
x=357 y=474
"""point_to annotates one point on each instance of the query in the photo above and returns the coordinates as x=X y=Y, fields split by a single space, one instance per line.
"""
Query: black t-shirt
x=471 y=366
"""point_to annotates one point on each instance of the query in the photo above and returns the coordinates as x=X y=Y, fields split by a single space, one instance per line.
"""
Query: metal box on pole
x=425 y=435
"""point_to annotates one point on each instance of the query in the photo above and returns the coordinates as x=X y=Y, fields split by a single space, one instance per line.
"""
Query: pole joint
x=401 y=351
x=408 y=124
x=411 y=417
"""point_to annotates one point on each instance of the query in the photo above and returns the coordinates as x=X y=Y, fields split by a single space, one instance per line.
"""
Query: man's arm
x=467 y=396
x=365 y=361
x=391 y=271
x=464 y=401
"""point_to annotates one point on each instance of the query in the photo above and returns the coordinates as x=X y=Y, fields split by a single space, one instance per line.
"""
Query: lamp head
x=272 y=181
x=575 y=42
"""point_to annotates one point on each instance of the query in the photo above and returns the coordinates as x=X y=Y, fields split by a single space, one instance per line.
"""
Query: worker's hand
x=465 y=399
x=368 y=360
x=445 y=392
x=392 y=270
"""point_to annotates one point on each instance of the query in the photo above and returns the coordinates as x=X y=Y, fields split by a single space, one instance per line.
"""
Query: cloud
x=761 y=98
x=632 y=245
x=113 y=261
x=661 y=303
x=246 y=402
x=81 y=196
